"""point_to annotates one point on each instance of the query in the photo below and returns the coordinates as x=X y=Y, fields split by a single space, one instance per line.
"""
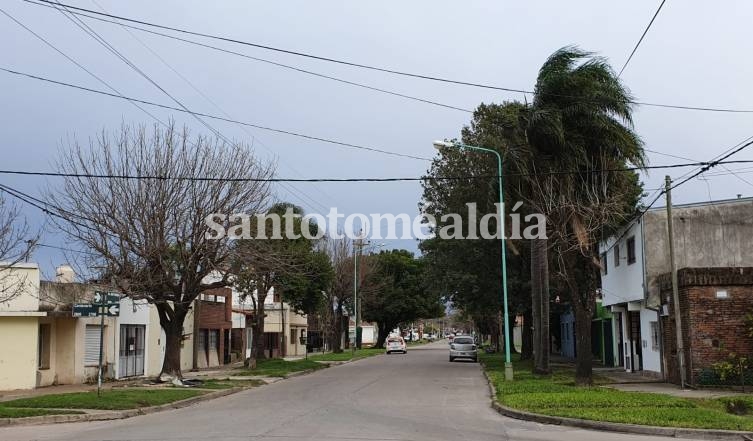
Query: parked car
x=463 y=346
x=396 y=344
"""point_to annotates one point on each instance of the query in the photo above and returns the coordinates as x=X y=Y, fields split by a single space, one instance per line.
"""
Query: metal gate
x=131 y=362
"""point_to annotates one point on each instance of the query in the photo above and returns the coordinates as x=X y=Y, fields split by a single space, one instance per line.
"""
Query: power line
x=270 y=62
x=643 y=35
x=219 y=118
x=99 y=39
x=705 y=165
x=720 y=160
x=78 y=10
x=82 y=67
x=296 y=192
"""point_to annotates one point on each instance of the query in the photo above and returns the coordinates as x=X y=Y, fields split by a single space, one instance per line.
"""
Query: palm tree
x=580 y=123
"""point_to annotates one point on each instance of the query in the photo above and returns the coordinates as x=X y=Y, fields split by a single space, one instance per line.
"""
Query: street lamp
x=446 y=144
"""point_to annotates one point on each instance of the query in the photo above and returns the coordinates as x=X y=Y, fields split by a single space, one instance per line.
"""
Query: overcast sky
x=695 y=54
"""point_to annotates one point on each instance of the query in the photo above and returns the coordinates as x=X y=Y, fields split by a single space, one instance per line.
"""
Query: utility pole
x=356 y=246
x=675 y=288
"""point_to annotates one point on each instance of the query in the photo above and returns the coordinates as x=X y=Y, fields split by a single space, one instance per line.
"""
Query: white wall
x=623 y=283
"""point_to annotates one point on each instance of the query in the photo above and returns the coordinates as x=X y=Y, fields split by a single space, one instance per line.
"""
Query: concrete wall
x=706 y=235
x=19 y=287
x=18 y=352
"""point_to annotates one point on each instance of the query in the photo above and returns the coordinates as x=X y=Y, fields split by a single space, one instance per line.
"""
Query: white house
x=709 y=234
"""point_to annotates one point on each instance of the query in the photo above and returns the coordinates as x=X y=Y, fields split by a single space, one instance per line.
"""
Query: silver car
x=463 y=346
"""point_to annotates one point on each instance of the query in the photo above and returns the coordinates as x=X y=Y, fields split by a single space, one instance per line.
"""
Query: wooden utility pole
x=675 y=288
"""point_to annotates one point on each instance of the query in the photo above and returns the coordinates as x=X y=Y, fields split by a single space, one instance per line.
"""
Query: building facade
x=713 y=234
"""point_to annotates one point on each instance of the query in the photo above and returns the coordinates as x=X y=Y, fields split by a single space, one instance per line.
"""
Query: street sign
x=106 y=297
x=84 y=310
x=112 y=310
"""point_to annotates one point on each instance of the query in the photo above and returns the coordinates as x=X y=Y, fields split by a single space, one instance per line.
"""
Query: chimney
x=65 y=274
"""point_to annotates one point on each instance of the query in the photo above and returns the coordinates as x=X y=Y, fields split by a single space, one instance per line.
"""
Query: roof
x=705 y=203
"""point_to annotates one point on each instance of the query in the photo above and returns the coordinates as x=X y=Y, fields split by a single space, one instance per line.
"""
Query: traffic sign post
x=105 y=304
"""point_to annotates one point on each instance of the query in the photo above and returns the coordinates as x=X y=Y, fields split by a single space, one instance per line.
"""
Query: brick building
x=213 y=327
x=714 y=303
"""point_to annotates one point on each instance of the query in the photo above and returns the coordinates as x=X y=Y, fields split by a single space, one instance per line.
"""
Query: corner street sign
x=84 y=310
x=105 y=304
x=106 y=297
x=93 y=310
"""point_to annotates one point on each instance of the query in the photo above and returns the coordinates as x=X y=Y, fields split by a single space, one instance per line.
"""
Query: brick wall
x=215 y=315
x=712 y=327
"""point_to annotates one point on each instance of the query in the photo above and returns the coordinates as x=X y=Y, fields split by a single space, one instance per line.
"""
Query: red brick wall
x=712 y=328
x=213 y=315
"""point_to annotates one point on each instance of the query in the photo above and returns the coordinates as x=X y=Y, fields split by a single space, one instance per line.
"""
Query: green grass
x=557 y=395
x=119 y=399
x=347 y=355
x=228 y=384
x=10 y=412
x=278 y=367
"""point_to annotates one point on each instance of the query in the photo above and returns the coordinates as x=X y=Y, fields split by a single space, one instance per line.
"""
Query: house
x=285 y=330
x=213 y=326
x=43 y=344
x=710 y=234
x=19 y=326
x=369 y=332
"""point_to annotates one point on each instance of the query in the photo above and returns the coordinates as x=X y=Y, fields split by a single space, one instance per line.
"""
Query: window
x=604 y=263
x=654 y=336
x=43 y=347
x=214 y=338
x=631 y=250
x=91 y=345
x=292 y=337
x=617 y=254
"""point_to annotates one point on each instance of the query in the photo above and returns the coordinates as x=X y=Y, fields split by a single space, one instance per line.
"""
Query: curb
x=115 y=415
x=675 y=432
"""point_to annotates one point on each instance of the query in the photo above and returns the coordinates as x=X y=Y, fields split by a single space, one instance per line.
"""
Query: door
x=635 y=340
x=131 y=361
x=608 y=343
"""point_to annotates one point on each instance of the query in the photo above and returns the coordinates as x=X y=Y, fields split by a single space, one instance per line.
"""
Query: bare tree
x=16 y=244
x=139 y=201
x=340 y=294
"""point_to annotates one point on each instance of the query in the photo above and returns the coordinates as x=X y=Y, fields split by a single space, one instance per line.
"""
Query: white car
x=396 y=344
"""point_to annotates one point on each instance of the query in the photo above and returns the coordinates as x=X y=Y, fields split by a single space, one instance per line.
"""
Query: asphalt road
x=418 y=396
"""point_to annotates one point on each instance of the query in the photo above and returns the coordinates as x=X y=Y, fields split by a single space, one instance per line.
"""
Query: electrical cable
x=219 y=118
x=78 y=10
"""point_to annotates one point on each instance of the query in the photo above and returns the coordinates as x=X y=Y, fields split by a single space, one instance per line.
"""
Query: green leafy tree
x=399 y=292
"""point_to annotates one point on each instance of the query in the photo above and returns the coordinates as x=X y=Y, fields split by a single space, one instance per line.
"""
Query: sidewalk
x=673 y=390
x=8 y=395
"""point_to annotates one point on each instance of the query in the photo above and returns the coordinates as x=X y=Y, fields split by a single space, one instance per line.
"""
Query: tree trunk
x=511 y=329
x=171 y=321
x=336 y=327
x=257 y=330
x=384 y=332
x=526 y=351
x=584 y=359
x=540 y=305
